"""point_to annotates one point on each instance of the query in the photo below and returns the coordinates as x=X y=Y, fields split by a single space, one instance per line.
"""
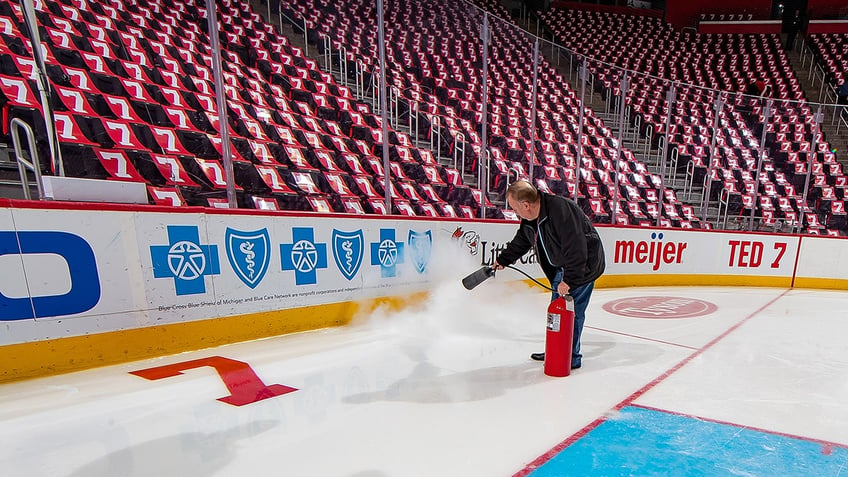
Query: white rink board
x=77 y=274
x=823 y=257
x=156 y=268
x=632 y=251
x=165 y=299
x=12 y=278
x=152 y=267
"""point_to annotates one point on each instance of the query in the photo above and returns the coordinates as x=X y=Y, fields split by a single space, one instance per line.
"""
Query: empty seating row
x=435 y=62
x=830 y=50
x=700 y=66
x=134 y=99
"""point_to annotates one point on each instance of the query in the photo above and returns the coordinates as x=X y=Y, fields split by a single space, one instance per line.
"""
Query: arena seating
x=134 y=101
x=697 y=64
x=830 y=50
x=437 y=54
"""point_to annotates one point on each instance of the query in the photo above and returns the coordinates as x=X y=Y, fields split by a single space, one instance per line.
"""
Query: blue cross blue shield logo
x=387 y=253
x=304 y=256
x=185 y=260
x=420 y=245
x=249 y=254
x=348 y=249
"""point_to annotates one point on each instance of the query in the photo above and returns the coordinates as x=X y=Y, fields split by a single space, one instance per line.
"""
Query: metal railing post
x=669 y=99
x=44 y=87
x=328 y=54
x=533 y=111
x=34 y=164
x=624 y=84
x=708 y=183
x=221 y=103
x=459 y=151
x=305 y=39
x=482 y=167
x=766 y=113
x=387 y=173
x=580 y=119
x=811 y=157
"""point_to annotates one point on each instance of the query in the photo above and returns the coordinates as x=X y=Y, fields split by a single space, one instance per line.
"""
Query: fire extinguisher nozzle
x=478 y=277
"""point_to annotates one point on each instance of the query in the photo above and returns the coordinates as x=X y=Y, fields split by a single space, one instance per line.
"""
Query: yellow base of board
x=43 y=358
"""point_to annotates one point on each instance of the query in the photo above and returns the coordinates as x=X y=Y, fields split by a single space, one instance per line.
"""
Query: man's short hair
x=523 y=191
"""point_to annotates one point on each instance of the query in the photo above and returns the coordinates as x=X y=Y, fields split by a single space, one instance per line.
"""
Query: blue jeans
x=581 y=297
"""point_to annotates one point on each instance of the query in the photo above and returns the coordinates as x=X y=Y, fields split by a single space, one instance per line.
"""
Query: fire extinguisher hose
x=531 y=278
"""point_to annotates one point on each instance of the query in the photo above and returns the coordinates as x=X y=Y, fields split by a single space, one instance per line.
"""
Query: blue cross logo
x=185 y=260
x=304 y=256
x=387 y=253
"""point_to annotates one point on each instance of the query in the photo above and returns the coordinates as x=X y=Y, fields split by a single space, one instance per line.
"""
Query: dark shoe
x=541 y=357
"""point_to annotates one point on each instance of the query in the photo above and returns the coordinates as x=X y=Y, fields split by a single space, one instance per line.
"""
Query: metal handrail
x=303 y=27
x=723 y=200
x=673 y=157
x=486 y=166
x=690 y=179
x=661 y=150
x=343 y=65
x=435 y=134
x=831 y=94
x=396 y=97
x=459 y=150
x=394 y=106
x=637 y=125
x=359 y=75
x=506 y=183
x=328 y=53
x=612 y=105
x=649 y=138
x=375 y=91
x=413 y=120
x=35 y=165
x=805 y=49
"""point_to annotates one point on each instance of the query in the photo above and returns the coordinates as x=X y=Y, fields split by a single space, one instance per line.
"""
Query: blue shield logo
x=249 y=254
x=348 y=249
x=420 y=245
x=185 y=260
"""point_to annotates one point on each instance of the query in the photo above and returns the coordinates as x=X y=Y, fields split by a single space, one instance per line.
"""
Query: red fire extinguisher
x=559 y=337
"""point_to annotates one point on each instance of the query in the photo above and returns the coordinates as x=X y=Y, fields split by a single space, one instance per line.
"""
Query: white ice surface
x=444 y=389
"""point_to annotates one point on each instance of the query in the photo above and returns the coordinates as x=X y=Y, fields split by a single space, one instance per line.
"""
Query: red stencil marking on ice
x=244 y=385
x=660 y=307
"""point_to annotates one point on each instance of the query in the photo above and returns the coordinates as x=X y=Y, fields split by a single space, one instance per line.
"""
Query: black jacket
x=566 y=239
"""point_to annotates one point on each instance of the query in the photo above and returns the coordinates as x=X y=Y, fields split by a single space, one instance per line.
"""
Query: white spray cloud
x=499 y=308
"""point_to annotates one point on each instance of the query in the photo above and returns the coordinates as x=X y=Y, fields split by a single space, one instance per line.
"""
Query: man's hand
x=497 y=266
x=562 y=289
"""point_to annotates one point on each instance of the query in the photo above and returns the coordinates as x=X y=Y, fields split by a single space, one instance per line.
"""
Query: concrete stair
x=10 y=179
x=10 y=183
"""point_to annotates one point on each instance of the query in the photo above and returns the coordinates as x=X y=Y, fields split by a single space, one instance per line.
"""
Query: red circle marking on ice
x=660 y=307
